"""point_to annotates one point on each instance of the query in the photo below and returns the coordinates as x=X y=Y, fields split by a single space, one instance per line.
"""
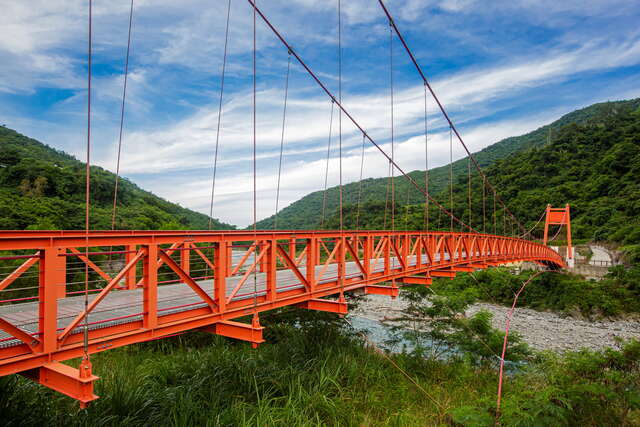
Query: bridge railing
x=141 y=285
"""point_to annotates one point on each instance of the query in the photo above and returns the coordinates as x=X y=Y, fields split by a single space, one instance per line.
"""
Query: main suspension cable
x=284 y=116
x=444 y=113
x=349 y=116
x=124 y=95
x=215 y=154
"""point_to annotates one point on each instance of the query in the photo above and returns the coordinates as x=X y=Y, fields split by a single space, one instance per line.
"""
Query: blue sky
x=501 y=69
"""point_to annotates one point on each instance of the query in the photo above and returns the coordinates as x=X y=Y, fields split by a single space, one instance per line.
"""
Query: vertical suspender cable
x=469 y=186
x=386 y=200
x=255 y=198
x=350 y=116
x=87 y=194
x=451 y=174
x=484 y=208
x=341 y=266
x=340 y=100
x=215 y=154
x=444 y=112
x=326 y=171
x=393 y=189
x=124 y=95
x=360 y=185
x=284 y=117
x=426 y=163
x=495 y=215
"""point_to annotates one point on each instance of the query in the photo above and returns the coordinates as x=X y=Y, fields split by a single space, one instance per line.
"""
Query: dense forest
x=594 y=166
x=306 y=212
x=43 y=188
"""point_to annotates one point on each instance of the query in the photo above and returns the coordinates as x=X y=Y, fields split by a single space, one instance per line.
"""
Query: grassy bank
x=322 y=374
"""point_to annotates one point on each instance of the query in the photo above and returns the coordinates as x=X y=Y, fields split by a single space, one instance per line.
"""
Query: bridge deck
x=125 y=306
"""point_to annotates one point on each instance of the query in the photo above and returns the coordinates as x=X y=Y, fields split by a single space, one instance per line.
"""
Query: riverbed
x=542 y=330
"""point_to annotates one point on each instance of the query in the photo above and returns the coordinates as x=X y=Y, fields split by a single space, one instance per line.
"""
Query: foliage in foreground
x=321 y=374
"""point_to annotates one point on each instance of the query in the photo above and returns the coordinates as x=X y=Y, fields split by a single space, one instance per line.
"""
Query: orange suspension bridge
x=98 y=290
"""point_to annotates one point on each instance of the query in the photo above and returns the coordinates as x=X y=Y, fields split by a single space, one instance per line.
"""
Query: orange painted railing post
x=367 y=252
x=185 y=258
x=569 y=247
x=130 y=278
x=271 y=268
x=342 y=258
x=405 y=250
x=221 y=264
x=60 y=272
x=387 y=255
x=229 y=259
x=150 y=286
x=292 y=248
x=312 y=258
x=49 y=282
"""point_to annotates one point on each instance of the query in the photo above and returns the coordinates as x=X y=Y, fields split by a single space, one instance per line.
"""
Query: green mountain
x=594 y=166
x=43 y=188
x=306 y=213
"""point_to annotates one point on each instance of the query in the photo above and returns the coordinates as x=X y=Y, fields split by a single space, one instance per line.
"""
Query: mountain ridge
x=305 y=213
x=44 y=188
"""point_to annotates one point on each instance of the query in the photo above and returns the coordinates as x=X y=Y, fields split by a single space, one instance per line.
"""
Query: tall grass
x=321 y=374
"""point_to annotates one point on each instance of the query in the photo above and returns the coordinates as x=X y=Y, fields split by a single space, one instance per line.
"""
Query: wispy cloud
x=500 y=68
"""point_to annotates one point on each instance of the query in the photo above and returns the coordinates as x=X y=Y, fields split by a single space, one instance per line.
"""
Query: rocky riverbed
x=541 y=330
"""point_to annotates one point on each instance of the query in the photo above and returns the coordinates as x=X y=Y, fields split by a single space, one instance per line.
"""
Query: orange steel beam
x=103 y=293
x=18 y=271
x=417 y=280
x=184 y=275
x=241 y=331
x=331 y=306
x=390 y=291
x=413 y=254
x=91 y=264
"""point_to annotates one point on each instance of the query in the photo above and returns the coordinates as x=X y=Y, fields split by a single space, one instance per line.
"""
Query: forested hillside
x=43 y=188
x=306 y=212
x=594 y=166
